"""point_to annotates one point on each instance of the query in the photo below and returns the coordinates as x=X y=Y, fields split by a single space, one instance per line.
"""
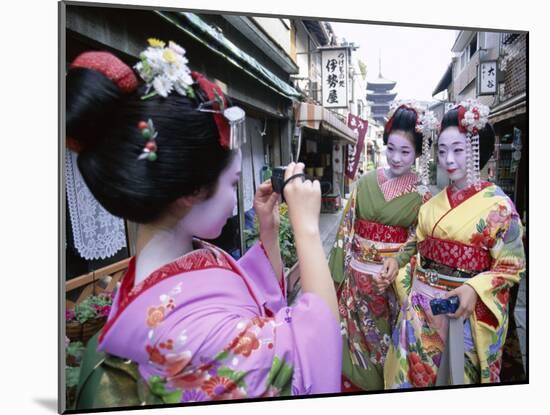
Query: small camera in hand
x=444 y=305
x=278 y=179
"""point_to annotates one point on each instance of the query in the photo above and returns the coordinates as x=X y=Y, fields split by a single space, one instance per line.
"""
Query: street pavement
x=328 y=225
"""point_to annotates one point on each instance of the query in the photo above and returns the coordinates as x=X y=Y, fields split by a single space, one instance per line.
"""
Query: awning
x=319 y=118
x=201 y=31
x=508 y=109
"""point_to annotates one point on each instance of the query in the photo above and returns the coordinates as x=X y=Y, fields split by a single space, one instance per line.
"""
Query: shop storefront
x=510 y=123
x=323 y=139
x=228 y=57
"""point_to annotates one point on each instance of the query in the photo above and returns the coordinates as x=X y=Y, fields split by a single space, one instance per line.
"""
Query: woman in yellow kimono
x=470 y=246
x=379 y=217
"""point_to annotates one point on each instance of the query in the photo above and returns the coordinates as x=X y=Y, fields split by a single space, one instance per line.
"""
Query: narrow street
x=328 y=224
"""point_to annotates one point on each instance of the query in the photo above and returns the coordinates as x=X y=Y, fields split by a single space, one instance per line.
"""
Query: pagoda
x=380 y=95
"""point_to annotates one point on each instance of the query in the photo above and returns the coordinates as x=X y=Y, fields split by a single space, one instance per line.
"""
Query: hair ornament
x=472 y=117
x=149 y=133
x=229 y=119
x=164 y=69
x=426 y=125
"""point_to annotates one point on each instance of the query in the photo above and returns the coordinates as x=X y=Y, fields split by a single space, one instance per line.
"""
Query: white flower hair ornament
x=472 y=117
x=164 y=69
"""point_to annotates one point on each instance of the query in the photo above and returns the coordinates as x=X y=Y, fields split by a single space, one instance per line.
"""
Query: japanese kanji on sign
x=487 y=78
x=335 y=78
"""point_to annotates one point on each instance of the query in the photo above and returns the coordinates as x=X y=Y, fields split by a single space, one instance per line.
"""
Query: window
x=473 y=46
x=463 y=58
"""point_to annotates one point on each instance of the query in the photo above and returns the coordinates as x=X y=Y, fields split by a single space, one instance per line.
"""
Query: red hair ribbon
x=110 y=66
x=461 y=111
x=215 y=94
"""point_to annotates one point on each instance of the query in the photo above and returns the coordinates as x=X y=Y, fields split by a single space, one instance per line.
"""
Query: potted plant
x=286 y=239
x=73 y=358
x=288 y=249
x=88 y=316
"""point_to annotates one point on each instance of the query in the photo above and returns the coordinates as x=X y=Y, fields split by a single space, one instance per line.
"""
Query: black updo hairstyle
x=404 y=119
x=105 y=122
x=486 y=136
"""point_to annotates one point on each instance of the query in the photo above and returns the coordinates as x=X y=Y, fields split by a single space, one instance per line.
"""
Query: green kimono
x=377 y=221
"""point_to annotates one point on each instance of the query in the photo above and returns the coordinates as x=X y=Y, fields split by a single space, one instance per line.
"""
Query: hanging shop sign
x=335 y=78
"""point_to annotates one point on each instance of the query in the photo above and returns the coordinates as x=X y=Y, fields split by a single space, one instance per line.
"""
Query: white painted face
x=207 y=218
x=400 y=153
x=452 y=154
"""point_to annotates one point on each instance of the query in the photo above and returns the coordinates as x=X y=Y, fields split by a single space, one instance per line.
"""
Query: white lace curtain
x=97 y=234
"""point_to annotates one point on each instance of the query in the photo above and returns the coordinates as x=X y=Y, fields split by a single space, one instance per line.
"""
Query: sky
x=415 y=58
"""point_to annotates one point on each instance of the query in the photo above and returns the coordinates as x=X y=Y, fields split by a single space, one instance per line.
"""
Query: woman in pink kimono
x=200 y=325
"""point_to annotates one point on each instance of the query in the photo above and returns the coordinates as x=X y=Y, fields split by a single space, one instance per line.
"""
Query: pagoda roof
x=380 y=83
x=375 y=105
x=381 y=97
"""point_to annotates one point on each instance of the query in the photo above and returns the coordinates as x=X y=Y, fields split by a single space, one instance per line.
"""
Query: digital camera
x=278 y=179
x=444 y=305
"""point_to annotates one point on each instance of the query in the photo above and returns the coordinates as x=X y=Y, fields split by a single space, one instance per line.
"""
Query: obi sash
x=378 y=232
x=375 y=241
x=448 y=264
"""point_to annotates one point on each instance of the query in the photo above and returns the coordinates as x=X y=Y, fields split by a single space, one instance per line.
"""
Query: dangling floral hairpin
x=229 y=119
x=472 y=117
x=428 y=127
x=148 y=132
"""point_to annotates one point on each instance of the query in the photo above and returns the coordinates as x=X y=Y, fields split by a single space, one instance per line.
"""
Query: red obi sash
x=455 y=254
x=379 y=232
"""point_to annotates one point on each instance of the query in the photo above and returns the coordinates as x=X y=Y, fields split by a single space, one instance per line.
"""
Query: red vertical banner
x=354 y=152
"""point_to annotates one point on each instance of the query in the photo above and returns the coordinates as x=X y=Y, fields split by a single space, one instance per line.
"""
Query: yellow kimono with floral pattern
x=483 y=222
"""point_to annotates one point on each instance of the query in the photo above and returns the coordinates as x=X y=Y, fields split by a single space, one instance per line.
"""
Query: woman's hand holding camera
x=304 y=206
x=304 y=201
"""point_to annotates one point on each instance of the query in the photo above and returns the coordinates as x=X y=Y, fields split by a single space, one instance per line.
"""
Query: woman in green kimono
x=377 y=221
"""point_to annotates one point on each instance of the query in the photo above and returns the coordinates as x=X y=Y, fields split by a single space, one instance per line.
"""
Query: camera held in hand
x=278 y=179
x=444 y=305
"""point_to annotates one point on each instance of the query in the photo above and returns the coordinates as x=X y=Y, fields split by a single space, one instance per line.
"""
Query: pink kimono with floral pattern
x=206 y=327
